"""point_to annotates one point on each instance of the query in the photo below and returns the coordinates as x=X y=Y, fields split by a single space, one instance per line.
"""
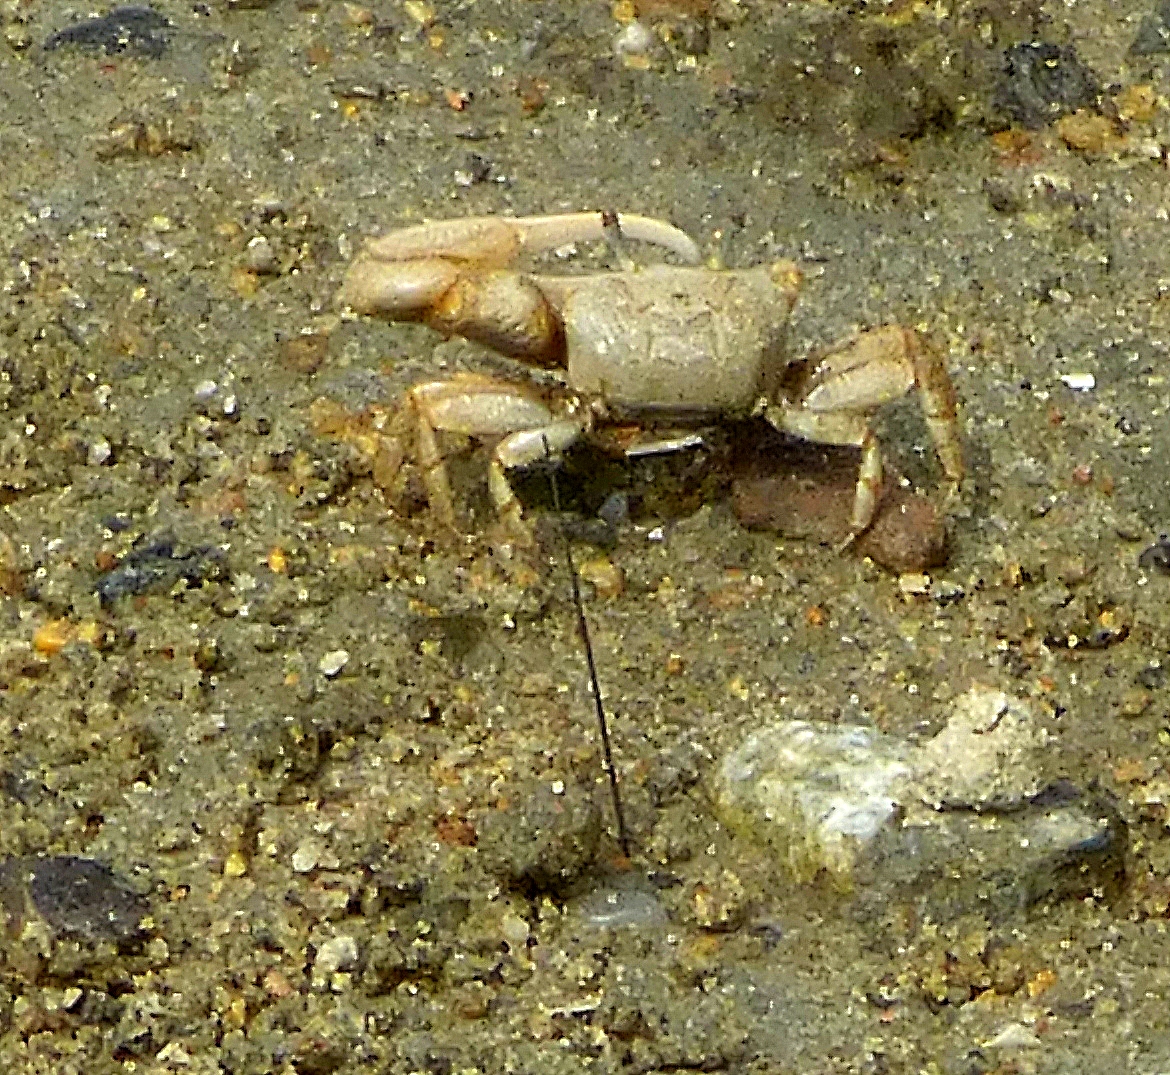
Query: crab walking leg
x=880 y=366
x=842 y=428
x=484 y=407
x=848 y=385
x=939 y=404
x=523 y=448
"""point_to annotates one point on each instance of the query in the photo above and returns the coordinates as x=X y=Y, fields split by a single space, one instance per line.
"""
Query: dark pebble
x=805 y=492
x=137 y=29
x=156 y=565
x=1157 y=556
x=1153 y=35
x=77 y=898
x=541 y=842
x=1042 y=82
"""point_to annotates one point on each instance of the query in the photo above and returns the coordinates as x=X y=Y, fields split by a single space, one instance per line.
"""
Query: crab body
x=669 y=346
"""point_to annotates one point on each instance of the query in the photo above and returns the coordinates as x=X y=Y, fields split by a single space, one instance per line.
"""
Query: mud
x=327 y=744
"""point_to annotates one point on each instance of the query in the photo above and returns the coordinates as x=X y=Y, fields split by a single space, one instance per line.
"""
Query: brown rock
x=806 y=491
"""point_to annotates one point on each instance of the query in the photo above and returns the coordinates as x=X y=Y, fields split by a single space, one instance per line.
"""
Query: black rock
x=1042 y=82
x=157 y=565
x=137 y=29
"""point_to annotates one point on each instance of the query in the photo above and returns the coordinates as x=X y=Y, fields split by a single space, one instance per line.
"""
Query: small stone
x=1134 y=702
x=99 y=452
x=804 y=492
x=604 y=576
x=914 y=584
x=52 y=637
x=1093 y=134
x=1156 y=557
x=173 y=1054
x=260 y=257
x=541 y=841
x=515 y=931
x=1014 y=1036
x=719 y=904
x=635 y=39
x=1079 y=382
x=332 y=663
x=235 y=865
x=1041 y=82
x=336 y=954
x=305 y=857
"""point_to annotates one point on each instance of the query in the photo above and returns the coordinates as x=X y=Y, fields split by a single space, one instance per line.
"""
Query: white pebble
x=259 y=257
x=99 y=452
x=515 y=931
x=333 y=662
x=636 y=39
x=305 y=857
x=337 y=953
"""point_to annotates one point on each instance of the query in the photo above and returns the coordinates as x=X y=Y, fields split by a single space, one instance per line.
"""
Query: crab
x=669 y=348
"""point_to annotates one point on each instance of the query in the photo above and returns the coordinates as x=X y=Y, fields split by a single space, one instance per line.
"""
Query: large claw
x=402 y=273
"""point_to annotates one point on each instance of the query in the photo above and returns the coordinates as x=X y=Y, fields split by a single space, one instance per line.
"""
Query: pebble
x=1042 y=81
x=969 y=822
x=603 y=575
x=1014 y=1036
x=65 y=917
x=304 y=858
x=99 y=452
x=514 y=930
x=1156 y=557
x=141 y=30
x=541 y=841
x=806 y=493
x=621 y=907
x=332 y=663
x=260 y=257
x=635 y=39
x=337 y=953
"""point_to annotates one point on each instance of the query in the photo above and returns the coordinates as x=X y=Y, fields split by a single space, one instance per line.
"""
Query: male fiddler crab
x=666 y=348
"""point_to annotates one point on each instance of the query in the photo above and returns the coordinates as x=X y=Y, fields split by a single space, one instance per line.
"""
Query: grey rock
x=138 y=29
x=68 y=918
x=971 y=821
x=1153 y=35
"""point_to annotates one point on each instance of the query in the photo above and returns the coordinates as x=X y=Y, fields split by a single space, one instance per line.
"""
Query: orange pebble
x=52 y=637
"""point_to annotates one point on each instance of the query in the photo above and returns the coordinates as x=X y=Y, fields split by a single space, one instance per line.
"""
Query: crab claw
x=400 y=275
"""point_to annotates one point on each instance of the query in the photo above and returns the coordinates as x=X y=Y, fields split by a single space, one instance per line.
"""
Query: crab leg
x=850 y=384
x=484 y=407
